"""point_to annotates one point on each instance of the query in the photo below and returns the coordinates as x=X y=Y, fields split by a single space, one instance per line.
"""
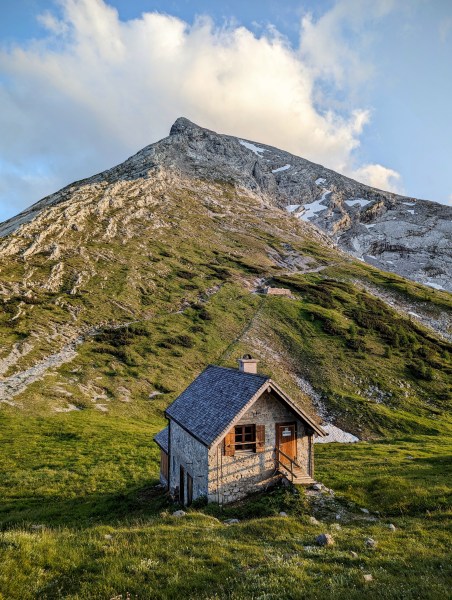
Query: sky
x=361 y=86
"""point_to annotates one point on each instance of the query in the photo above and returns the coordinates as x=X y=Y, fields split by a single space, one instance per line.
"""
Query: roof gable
x=212 y=401
x=217 y=399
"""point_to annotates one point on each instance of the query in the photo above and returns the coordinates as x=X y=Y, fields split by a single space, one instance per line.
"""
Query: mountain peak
x=184 y=125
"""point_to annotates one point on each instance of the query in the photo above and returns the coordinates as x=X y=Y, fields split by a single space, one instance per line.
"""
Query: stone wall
x=187 y=452
x=233 y=477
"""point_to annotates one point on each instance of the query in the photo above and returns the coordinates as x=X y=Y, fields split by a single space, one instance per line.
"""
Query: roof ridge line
x=238 y=371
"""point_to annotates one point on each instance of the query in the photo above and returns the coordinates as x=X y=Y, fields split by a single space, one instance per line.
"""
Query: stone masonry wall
x=233 y=477
x=192 y=455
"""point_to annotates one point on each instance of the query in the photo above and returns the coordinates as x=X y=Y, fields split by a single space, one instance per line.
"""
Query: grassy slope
x=68 y=480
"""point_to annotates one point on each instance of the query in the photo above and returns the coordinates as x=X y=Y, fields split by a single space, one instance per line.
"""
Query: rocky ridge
x=404 y=235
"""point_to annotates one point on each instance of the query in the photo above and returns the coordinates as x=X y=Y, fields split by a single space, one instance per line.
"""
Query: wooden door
x=189 y=489
x=182 y=485
x=286 y=441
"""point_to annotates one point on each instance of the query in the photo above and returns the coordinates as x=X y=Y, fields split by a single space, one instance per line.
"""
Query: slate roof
x=162 y=439
x=212 y=401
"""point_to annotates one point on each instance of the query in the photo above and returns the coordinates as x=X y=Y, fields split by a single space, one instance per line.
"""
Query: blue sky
x=361 y=86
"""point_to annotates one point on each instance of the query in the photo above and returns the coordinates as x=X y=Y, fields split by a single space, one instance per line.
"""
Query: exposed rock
x=324 y=539
x=365 y=511
x=368 y=577
x=231 y=521
x=353 y=554
x=313 y=521
x=179 y=513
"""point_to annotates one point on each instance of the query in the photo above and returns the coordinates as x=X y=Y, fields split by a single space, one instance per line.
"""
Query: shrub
x=185 y=340
x=185 y=274
x=204 y=314
x=420 y=370
x=356 y=344
x=329 y=326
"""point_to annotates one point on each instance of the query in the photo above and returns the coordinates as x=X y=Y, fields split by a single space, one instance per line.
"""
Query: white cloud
x=333 y=45
x=378 y=176
x=98 y=89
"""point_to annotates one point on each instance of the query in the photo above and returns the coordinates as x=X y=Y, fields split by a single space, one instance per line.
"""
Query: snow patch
x=320 y=181
x=252 y=147
x=410 y=211
x=359 y=201
x=292 y=207
x=311 y=209
x=281 y=169
x=370 y=226
x=336 y=435
x=409 y=203
x=436 y=286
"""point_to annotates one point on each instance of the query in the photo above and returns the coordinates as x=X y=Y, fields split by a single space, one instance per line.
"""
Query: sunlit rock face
x=408 y=236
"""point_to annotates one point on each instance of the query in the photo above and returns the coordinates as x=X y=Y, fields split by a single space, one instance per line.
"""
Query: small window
x=245 y=438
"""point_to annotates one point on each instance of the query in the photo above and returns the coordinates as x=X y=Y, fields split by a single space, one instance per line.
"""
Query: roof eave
x=193 y=435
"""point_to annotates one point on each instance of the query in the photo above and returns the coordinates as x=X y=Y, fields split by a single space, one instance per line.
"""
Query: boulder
x=371 y=543
x=313 y=521
x=392 y=527
x=368 y=577
x=179 y=513
x=283 y=514
x=324 y=539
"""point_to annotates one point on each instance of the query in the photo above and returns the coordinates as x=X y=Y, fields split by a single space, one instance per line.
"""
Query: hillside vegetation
x=122 y=303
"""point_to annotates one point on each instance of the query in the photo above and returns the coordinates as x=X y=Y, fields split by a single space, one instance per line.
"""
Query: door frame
x=286 y=424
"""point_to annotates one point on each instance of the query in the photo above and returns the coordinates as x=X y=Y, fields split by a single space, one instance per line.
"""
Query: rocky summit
x=395 y=233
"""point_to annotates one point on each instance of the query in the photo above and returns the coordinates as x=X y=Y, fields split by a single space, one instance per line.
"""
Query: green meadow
x=82 y=517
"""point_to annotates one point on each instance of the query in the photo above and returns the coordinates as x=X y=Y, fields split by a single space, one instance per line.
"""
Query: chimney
x=248 y=364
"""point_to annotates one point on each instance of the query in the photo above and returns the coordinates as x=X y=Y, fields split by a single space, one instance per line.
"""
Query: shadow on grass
x=142 y=501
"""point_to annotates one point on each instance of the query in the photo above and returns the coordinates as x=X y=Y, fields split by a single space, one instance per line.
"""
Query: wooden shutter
x=260 y=438
x=229 y=443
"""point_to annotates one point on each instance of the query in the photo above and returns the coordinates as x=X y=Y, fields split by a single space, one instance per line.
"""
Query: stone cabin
x=272 y=291
x=232 y=432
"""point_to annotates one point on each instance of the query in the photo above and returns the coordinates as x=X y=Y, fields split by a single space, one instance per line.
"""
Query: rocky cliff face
x=408 y=236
